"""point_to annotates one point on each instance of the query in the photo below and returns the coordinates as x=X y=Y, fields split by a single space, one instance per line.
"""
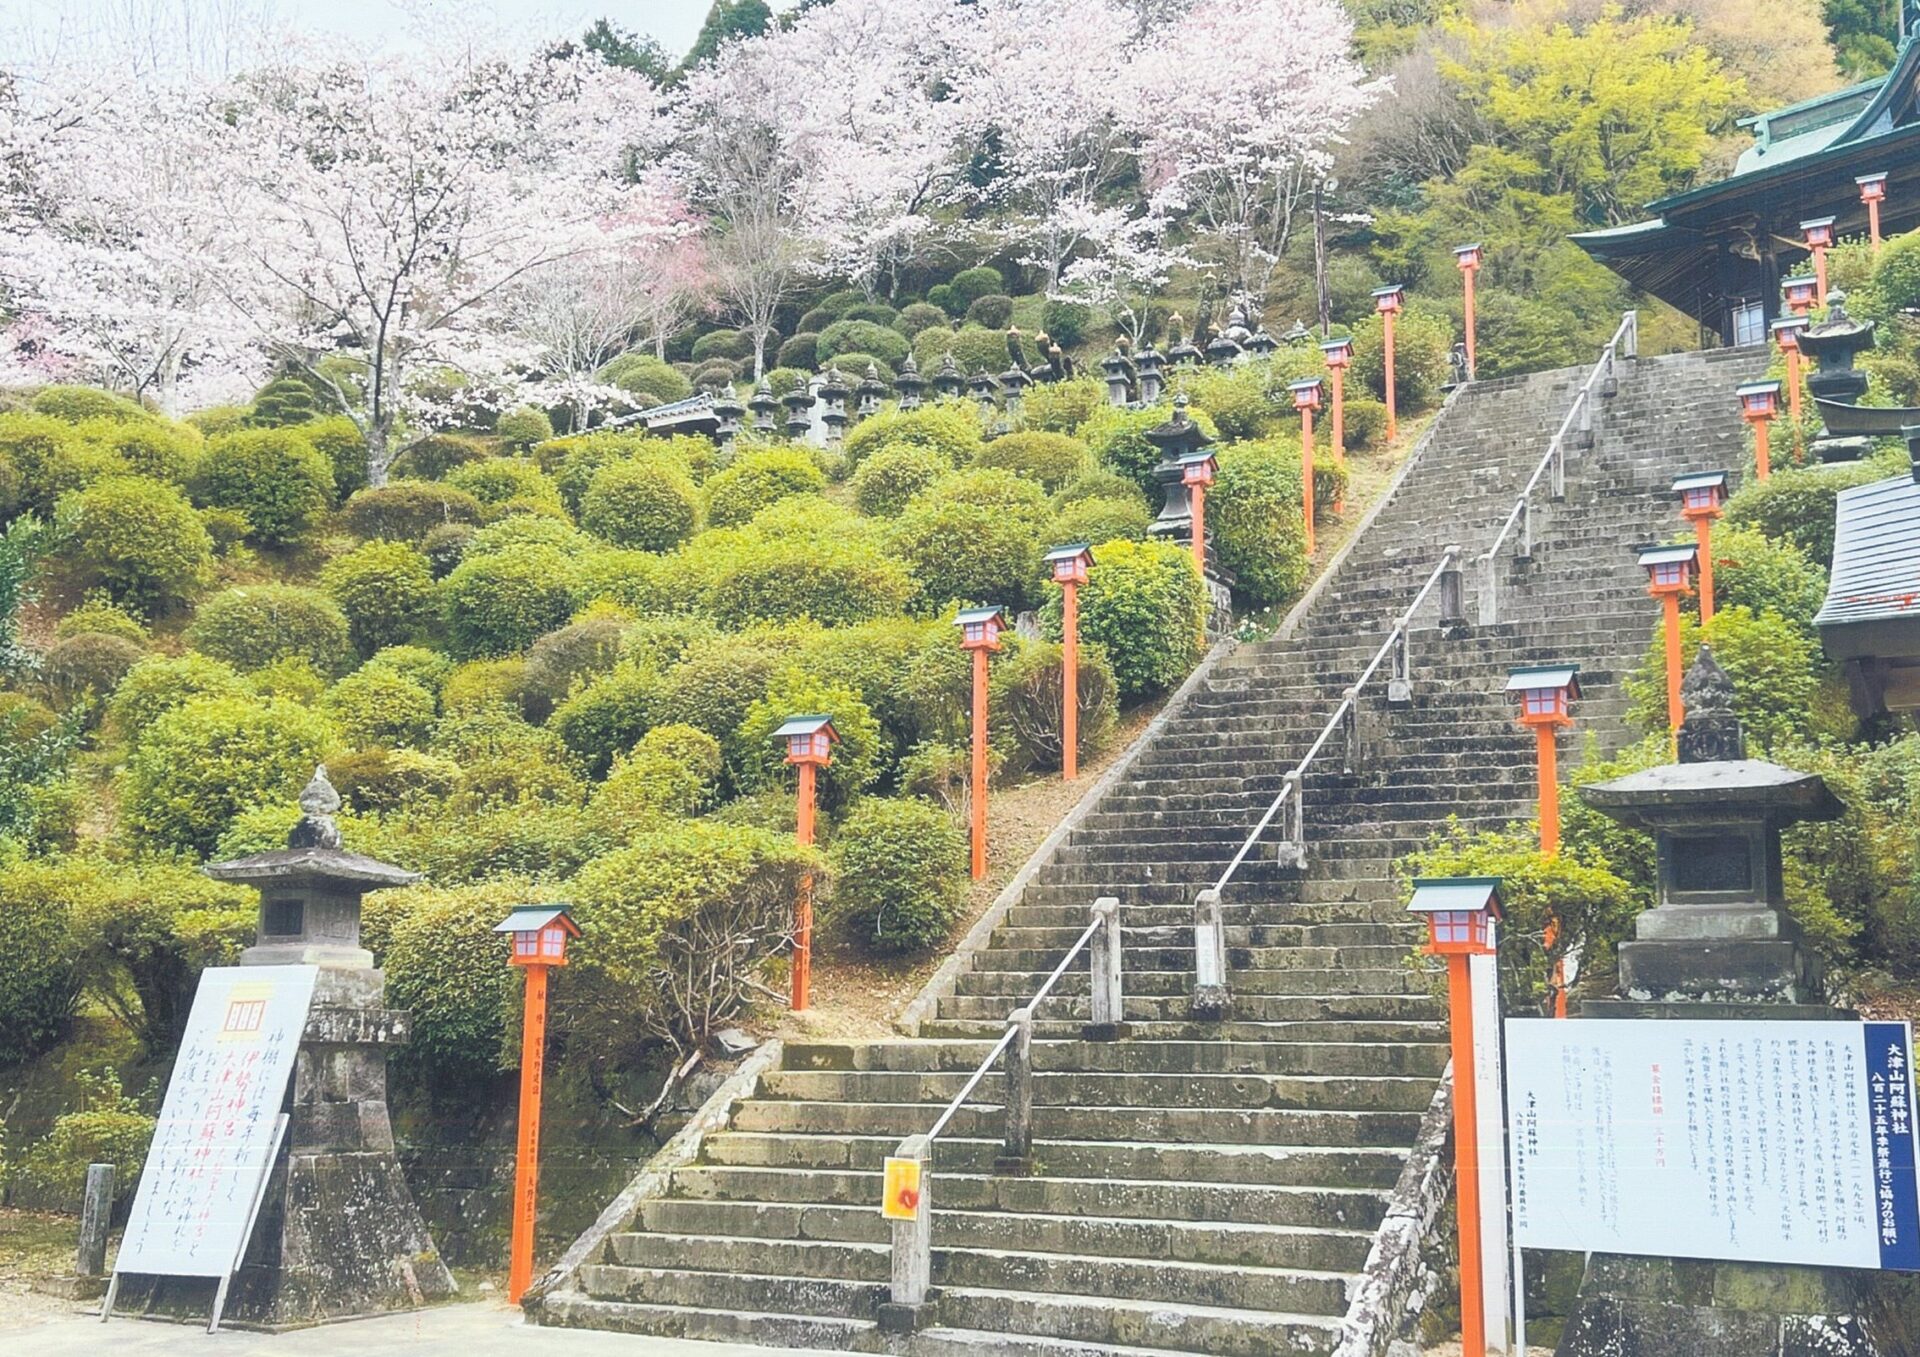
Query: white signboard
x=1483 y=974
x=215 y=1141
x=1774 y=1142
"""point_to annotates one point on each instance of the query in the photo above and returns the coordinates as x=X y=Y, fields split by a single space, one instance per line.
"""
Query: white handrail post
x=1453 y=594
x=1109 y=1000
x=1292 y=851
x=1490 y=590
x=1350 y=727
x=1557 y=486
x=908 y=1306
x=1210 y=996
x=1016 y=1156
x=1630 y=339
x=1526 y=530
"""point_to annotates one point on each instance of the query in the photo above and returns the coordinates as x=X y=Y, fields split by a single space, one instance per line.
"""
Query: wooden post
x=1762 y=463
x=1339 y=430
x=526 y=1181
x=96 y=1210
x=1670 y=607
x=1819 y=275
x=1393 y=415
x=912 y=1269
x=1016 y=1156
x=1468 y=275
x=979 y=779
x=803 y=907
x=1306 y=468
x=1109 y=1003
x=1466 y=1158
x=1703 y=543
x=1197 y=497
x=1070 y=677
x=1873 y=223
x=1793 y=393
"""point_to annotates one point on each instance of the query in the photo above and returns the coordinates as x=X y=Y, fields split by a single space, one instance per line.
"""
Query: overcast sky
x=388 y=23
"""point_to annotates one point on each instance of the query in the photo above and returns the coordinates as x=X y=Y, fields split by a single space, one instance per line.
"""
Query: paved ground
x=478 y=1330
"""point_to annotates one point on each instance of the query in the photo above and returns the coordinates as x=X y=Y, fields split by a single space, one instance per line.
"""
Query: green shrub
x=44 y=459
x=1766 y=575
x=1602 y=841
x=159 y=683
x=406 y=511
x=607 y=715
x=1065 y=406
x=1421 y=342
x=636 y=582
x=715 y=374
x=1102 y=520
x=862 y=336
x=918 y=316
x=900 y=874
x=40 y=983
x=85 y=665
x=206 y=760
x=446 y=964
x=445 y=546
x=951 y=428
x=877 y=312
x=801 y=352
x=496 y=604
x=719 y=678
x=975 y=537
x=524 y=530
x=505 y=760
x=138 y=539
x=1050 y=459
x=287 y=399
x=107 y=1127
x=148 y=447
x=1066 y=322
x=75 y=403
x=433 y=456
x=292 y=677
x=910 y=673
x=649 y=505
x=255 y=625
x=479 y=684
x=833 y=583
x=102 y=616
x=1254 y=513
x=1145 y=605
x=340 y=441
x=975 y=348
x=993 y=311
x=1027 y=704
x=759 y=760
x=1117 y=437
x=1363 y=422
x=501 y=480
x=276 y=477
x=672 y=773
x=384 y=588
x=641 y=374
x=1241 y=400
x=580 y=650
x=219 y=419
x=757 y=479
x=1896 y=275
x=1594 y=908
x=378 y=707
x=734 y=344
x=896 y=473
x=1099 y=483
x=679 y=925
x=1796 y=504
x=428 y=668
x=522 y=427
x=950 y=302
x=972 y=284
x=1769 y=659
x=380 y=780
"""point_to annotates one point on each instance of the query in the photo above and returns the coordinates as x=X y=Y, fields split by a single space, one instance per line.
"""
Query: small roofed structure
x=1870 y=621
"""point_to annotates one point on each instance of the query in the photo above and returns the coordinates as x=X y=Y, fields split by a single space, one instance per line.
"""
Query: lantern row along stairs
x=1203 y=1186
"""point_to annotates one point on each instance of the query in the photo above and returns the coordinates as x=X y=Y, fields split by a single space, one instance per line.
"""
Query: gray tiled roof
x=1876 y=555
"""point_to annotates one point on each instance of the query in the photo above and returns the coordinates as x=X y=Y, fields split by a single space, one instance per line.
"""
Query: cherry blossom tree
x=1124 y=259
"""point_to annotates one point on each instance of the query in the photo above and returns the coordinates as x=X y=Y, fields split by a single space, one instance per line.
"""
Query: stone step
x=1173 y=1125
x=1304 y=1053
x=1247 y=1007
x=1156 y=986
x=1371 y=1083
x=1140 y=957
x=1404 y=1030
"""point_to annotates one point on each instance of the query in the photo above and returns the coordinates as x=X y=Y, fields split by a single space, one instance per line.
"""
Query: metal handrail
x=1625 y=341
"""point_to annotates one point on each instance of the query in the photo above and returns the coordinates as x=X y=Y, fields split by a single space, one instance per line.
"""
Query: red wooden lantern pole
x=1461 y=912
x=540 y=934
x=1388 y=301
x=1798 y=292
x=1339 y=354
x=1468 y=258
x=1544 y=696
x=980 y=633
x=1873 y=192
x=1669 y=571
x=1197 y=472
x=1069 y=566
x=1306 y=399
x=809 y=744
x=1701 y=496
x=1759 y=403
x=1786 y=333
x=1819 y=238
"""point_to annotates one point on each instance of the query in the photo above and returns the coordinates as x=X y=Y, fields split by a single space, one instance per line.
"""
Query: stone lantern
x=1119 y=375
x=983 y=388
x=765 y=405
x=1223 y=350
x=1013 y=383
x=1721 y=933
x=1181 y=352
x=728 y=410
x=1178 y=439
x=1151 y=366
x=947 y=381
x=910 y=384
x=338 y=1235
x=1833 y=344
x=870 y=392
x=833 y=398
x=1261 y=344
x=799 y=403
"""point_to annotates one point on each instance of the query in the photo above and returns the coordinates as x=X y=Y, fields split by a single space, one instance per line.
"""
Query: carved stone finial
x=318 y=802
x=1711 y=732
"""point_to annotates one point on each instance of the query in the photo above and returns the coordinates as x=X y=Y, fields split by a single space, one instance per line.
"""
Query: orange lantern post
x=1701 y=496
x=1759 y=403
x=1873 y=192
x=1197 y=472
x=1068 y=565
x=1544 y=695
x=540 y=934
x=1306 y=399
x=1669 y=575
x=980 y=630
x=1461 y=914
x=1339 y=356
x=809 y=740
x=1818 y=232
x=1388 y=301
x=1468 y=258
x=1799 y=293
x=1786 y=333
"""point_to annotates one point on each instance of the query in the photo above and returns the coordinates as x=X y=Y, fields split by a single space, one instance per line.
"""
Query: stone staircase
x=1199 y=1187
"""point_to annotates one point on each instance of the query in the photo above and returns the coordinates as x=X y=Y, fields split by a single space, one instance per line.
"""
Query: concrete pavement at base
x=468 y=1330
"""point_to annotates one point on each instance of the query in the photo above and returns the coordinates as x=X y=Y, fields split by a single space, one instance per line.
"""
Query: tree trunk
x=1320 y=267
x=379 y=455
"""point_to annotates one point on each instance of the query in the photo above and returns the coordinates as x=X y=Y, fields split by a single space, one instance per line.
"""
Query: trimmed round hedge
x=276 y=477
x=759 y=478
x=1049 y=459
x=384 y=588
x=137 y=538
x=406 y=511
x=1145 y=604
x=888 y=479
x=899 y=874
x=648 y=504
x=257 y=625
x=496 y=604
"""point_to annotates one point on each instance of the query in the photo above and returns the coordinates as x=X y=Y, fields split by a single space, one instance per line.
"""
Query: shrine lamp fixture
x=1799 y=293
x=1759 y=403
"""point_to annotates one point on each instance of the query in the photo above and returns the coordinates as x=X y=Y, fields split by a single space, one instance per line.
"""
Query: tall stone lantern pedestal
x=339 y=1235
x=1719 y=945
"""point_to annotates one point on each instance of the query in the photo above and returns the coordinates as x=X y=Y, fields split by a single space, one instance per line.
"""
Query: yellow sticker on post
x=901 y=1193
